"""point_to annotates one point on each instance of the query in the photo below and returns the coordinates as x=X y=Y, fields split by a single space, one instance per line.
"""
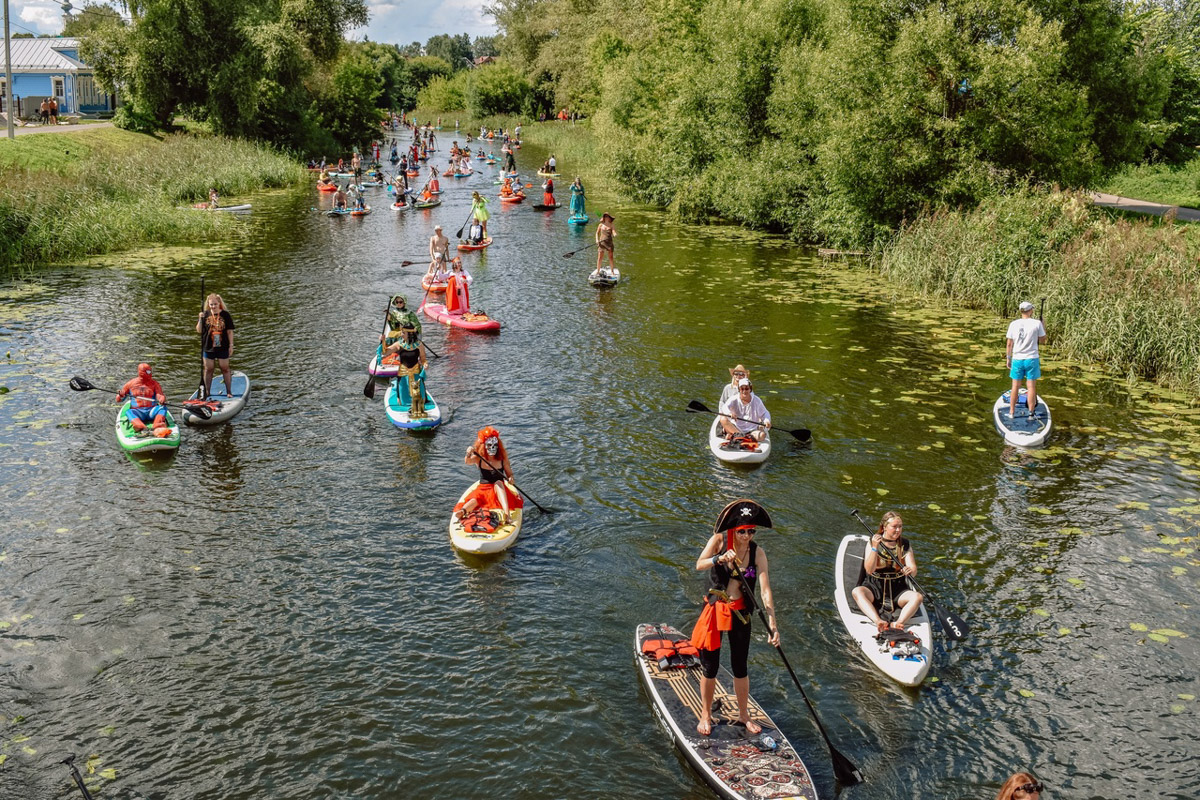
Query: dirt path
x=27 y=129
x=1144 y=206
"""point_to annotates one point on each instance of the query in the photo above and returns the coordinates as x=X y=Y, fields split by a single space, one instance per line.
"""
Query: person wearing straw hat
x=731 y=388
x=1024 y=336
x=604 y=242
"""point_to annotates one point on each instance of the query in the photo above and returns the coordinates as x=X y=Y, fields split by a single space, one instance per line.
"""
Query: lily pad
x=1158 y=637
x=1040 y=510
x=1041 y=612
x=1134 y=505
x=1075 y=581
x=881 y=492
x=1170 y=632
x=1137 y=626
x=1026 y=693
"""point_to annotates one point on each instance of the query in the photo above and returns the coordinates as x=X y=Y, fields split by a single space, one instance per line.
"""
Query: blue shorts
x=1025 y=368
x=146 y=414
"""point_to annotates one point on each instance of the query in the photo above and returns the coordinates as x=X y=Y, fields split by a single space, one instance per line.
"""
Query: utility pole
x=8 y=97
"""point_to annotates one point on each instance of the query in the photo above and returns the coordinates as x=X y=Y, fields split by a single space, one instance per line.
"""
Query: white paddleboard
x=1022 y=430
x=734 y=454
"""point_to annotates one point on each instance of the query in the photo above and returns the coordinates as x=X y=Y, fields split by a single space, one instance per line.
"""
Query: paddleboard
x=398 y=413
x=578 y=219
x=481 y=323
x=382 y=370
x=547 y=174
x=906 y=663
x=234 y=209
x=473 y=538
x=134 y=442
x=734 y=453
x=1023 y=430
x=360 y=212
x=734 y=763
x=512 y=198
x=544 y=207
x=605 y=277
x=226 y=407
x=480 y=246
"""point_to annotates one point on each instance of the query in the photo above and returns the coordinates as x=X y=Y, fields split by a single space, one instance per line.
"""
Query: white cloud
x=42 y=17
x=404 y=21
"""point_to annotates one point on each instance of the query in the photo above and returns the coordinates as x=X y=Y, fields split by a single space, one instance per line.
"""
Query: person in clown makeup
x=495 y=473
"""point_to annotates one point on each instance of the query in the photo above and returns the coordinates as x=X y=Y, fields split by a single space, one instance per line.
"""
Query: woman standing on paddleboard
x=732 y=552
x=888 y=565
x=215 y=327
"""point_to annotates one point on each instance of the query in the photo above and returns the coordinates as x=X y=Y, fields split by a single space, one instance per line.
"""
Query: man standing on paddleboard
x=1024 y=336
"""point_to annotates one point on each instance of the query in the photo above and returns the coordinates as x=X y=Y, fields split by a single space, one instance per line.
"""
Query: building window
x=58 y=88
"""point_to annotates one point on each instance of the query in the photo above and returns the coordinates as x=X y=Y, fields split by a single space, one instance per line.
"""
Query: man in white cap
x=438 y=243
x=1024 y=336
x=753 y=419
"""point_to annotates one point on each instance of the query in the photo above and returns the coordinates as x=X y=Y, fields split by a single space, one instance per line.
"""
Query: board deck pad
x=1024 y=423
x=735 y=763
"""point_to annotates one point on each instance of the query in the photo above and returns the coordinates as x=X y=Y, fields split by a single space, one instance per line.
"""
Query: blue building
x=51 y=68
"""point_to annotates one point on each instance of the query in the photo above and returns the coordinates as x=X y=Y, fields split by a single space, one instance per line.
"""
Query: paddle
x=483 y=458
x=470 y=216
x=580 y=250
x=847 y=774
x=802 y=434
x=80 y=384
x=70 y=762
x=954 y=626
x=369 y=389
x=203 y=395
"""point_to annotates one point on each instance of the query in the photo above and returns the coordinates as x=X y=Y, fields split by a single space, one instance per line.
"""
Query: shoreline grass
x=93 y=192
x=1176 y=185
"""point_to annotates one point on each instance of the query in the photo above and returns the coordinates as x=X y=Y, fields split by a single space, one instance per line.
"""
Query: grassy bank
x=1158 y=183
x=99 y=191
x=1121 y=293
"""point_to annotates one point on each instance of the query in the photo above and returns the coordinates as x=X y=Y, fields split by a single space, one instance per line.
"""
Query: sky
x=392 y=21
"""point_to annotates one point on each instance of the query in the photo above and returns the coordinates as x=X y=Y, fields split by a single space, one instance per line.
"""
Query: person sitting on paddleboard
x=437 y=272
x=488 y=453
x=215 y=327
x=480 y=213
x=548 y=192
x=728 y=609
x=147 y=403
x=888 y=564
x=604 y=241
x=339 y=199
x=754 y=419
x=1021 y=786
x=577 y=198
x=1024 y=336
x=731 y=389
x=411 y=373
x=507 y=189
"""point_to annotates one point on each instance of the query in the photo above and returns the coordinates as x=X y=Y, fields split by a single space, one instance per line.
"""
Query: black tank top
x=489 y=475
x=409 y=358
x=720 y=576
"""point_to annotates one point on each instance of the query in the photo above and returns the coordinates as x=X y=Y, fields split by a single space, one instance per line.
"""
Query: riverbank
x=1119 y=293
x=89 y=192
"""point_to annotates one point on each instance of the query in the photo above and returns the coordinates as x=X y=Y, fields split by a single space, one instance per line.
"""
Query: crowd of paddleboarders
x=878 y=596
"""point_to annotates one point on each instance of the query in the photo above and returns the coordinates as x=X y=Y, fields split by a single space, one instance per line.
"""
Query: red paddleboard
x=471 y=322
x=480 y=246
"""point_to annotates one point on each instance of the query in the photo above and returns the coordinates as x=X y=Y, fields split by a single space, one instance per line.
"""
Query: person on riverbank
x=605 y=232
x=577 y=198
x=548 y=193
x=728 y=609
x=147 y=403
x=53 y=111
x=410 y=375
x=480 y=214
x=752 y=418
x=1021 y=786
x=885 y=590
x=736 y=374
x=439 y=243
x=214 y=200
x=215 y=327
x=1024 y=336
x=488 y=453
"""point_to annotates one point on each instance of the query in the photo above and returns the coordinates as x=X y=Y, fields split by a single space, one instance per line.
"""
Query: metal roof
x=43 y=54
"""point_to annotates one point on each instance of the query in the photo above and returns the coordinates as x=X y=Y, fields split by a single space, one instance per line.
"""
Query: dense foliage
x=838 y=120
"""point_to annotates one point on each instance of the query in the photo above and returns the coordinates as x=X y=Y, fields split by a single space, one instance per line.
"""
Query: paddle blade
x=802 y=434
x=80 y=384
x=954 y=626
x=369 y=389
x=843 y=768
x=696 y=406
x=203 y=412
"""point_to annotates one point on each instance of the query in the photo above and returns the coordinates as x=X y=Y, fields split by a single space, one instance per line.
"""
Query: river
x=276 y=610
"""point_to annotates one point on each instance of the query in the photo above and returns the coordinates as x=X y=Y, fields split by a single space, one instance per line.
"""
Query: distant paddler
x=439 y=243
x=605 y=233
x=577 y=198
x=548 y=193
x=1024 y=336
x=480 y=214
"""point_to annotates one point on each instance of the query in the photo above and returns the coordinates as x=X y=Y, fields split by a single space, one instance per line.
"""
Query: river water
x=276 y=610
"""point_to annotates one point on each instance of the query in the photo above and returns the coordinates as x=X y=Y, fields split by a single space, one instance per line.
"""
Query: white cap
x=743 y=382
x=1026 y=306
x=437 y=227
x=438 y=256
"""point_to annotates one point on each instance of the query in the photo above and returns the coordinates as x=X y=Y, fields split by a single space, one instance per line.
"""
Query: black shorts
x=216 y=355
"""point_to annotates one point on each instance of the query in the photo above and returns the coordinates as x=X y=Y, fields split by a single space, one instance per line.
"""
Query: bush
x=445 y=94
x=131 y=119
x=495 y=89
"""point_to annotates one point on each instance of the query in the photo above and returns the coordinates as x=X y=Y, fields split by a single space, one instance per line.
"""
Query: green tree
x=454 y=50
x=423 y=69
x=495 y=89
x=486 y=46
x=347 y=108
x=90 y=17
x=445 y=94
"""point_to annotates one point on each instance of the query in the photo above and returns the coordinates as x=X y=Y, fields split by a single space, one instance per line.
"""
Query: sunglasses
x=739 y=374
x=1031 y=788
x=745 y=388
x=747 y=532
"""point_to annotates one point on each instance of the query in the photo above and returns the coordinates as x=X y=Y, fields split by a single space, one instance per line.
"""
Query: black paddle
x=802 y=434
x=847 y=774
x=580 y=250
x=954 y=626
x=464 y=225
x=518 y=488
x=203 y=395
x=80 y=384
x=369 y=389
x=425 y=344
x=70 y=762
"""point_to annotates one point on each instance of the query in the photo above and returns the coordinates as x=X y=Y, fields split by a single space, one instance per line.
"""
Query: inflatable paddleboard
x=735 y=452
x=736 y=764
x=1022 y=430
x=481 y=323
x=544 y=207
x=223 y=408
x=133 y=442
x=472 y=535
x=480 y=246
x=905 y=662
x=605 y=277
x=398 y=413
x=382 y=370
x=578 y=219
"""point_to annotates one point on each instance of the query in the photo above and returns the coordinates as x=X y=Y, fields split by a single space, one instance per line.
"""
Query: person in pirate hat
x=736 y=564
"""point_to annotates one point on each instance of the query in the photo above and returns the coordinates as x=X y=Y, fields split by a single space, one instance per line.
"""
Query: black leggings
x=739 y=649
